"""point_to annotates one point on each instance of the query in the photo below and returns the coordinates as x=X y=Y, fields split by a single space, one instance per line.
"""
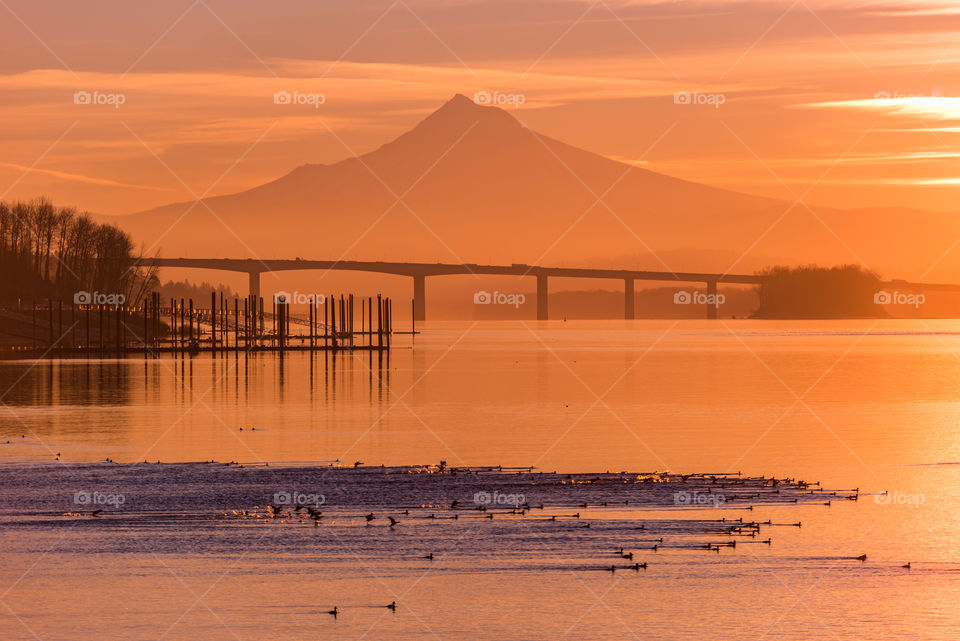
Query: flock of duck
x=581 y=501
x=605 y=522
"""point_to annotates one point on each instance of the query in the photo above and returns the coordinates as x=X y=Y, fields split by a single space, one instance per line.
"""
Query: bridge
x=420 y=271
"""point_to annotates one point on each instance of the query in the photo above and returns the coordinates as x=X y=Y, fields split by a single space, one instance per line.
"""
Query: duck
x=392 y=606
x=333 y=612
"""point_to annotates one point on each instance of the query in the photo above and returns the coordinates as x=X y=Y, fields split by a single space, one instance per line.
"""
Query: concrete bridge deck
x=420 y=271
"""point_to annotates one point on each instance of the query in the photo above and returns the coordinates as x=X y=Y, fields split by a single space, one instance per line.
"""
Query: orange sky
x=853 y=100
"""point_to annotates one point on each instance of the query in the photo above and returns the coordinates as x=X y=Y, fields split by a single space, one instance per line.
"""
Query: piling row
x=181 y=326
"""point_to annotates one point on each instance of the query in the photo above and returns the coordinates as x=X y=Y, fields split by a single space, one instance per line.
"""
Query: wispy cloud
x=939 y=107
x=93 y=180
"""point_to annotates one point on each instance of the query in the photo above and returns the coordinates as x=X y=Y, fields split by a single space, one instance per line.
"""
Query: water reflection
x=178 y=408
x=879 y=411
x=692 y=397
x=96 y=382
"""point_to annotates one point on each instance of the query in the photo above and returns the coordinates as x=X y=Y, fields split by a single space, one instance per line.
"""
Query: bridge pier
x=629 y=300
x=419 y=297
x=254 y=287
x=712 y=308
x=543 y=305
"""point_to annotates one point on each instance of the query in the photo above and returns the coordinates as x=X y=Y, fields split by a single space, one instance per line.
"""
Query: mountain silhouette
x=470 y=183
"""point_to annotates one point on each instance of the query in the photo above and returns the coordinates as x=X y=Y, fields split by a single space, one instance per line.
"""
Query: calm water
x=856 y=404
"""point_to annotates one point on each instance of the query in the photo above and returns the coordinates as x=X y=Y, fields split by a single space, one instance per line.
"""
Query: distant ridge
x=478 y=186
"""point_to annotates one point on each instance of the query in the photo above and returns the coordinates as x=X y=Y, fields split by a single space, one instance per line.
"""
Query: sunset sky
x=855 y=101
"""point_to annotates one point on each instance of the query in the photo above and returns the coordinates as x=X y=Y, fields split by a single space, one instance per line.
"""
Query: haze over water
x=852 y=404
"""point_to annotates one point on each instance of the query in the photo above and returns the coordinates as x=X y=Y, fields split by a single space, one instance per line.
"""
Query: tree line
x=844 y=291
x=55 y=252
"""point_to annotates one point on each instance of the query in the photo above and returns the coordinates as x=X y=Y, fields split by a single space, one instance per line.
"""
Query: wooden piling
x=379 y=322
x=389 y=320
x=333 y=322
x=351 y=319
x=213 y=321
x=236 y=323
x=183 y=319
x=146 y=326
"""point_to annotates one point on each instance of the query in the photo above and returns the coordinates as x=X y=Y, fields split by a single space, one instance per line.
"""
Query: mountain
x=477 y=186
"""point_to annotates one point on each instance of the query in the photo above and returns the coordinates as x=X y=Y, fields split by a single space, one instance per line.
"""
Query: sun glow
x=937 y=107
